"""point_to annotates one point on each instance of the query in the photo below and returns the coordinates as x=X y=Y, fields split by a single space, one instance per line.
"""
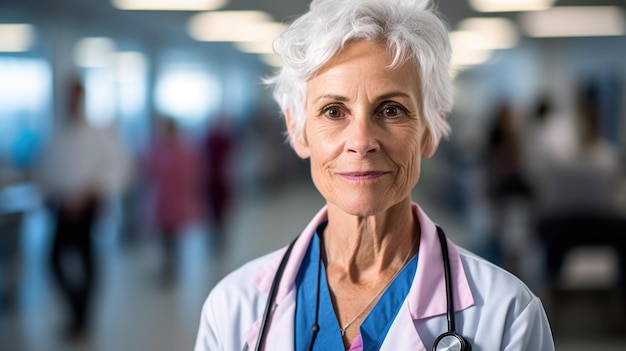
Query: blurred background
x=145 y=124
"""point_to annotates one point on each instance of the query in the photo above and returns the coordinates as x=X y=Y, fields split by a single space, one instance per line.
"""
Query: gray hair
x=412 y=29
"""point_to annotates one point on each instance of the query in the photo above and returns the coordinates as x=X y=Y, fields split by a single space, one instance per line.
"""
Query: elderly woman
x=365 y=90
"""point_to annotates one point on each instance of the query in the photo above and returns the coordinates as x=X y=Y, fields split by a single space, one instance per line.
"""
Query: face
x=364 y=131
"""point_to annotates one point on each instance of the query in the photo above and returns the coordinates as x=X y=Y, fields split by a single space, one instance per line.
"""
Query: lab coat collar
x=288 y=281
x=426 y=298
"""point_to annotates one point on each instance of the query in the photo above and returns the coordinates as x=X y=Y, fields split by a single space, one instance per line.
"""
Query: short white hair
x=412 y=30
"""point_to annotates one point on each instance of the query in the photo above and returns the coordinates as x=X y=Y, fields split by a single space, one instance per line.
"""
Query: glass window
x=189 y=93
x=25 y=93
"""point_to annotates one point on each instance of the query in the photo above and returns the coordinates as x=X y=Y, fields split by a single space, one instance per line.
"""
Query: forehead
x=363 y=63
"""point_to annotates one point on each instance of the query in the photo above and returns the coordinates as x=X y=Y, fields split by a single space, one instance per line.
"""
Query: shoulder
x=491 y=284
x=240 y=283
x=517 y=319
x=239 y=294
x=232 y=307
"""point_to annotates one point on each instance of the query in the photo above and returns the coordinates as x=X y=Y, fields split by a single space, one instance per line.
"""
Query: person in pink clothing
x=174 y=171
x=218 y=148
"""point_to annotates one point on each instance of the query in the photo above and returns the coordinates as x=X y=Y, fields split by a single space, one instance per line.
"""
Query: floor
x=135 y=311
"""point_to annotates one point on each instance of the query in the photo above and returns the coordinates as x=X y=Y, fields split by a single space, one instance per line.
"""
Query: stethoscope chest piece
x=451 y=341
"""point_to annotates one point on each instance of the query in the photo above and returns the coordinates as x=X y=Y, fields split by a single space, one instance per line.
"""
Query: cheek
x=408 y=159
x=413 y=160
x=320 y=154
x=323 y=143
x=322 y=158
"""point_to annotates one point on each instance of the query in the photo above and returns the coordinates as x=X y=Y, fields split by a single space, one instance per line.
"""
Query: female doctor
x=365 y=89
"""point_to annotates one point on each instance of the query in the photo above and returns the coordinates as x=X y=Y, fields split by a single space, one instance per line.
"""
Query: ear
x=298 y=142
x=429 y=146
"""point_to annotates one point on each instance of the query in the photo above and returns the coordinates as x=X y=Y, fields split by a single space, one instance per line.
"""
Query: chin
x=363 y=207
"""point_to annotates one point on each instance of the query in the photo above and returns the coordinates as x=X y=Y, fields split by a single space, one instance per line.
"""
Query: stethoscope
x=448 y=341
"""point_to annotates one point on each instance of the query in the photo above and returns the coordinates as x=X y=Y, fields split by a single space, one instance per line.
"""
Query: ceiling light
x=464 y=53
x=575 y=22
x=271 y=60
x=228 y=25
x=255 y=47
x=490 y=33
x=510 y=5
x=16 y=37
x=171 y=5
x=265 y=35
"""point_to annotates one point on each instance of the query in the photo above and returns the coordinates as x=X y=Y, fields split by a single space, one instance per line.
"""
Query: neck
x=360 y=248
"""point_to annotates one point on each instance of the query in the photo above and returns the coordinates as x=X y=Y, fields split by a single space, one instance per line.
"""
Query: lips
x=362 y=176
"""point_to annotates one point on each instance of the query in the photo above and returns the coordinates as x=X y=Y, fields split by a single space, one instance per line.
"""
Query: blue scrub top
x=375 y=326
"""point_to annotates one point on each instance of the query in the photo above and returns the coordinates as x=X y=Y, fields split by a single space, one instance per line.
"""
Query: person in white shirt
x=81 y=167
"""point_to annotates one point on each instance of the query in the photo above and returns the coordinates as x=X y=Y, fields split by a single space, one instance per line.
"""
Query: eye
x=392 y=111
x=332 y=112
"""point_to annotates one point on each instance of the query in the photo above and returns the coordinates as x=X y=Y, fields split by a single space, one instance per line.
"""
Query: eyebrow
x=341 y=98
x=331 y=97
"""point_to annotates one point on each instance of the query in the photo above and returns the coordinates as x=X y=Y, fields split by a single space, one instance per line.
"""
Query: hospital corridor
x=143 y=157
x=134 y=310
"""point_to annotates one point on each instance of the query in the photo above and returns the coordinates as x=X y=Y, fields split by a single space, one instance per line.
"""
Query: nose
x=361 y=139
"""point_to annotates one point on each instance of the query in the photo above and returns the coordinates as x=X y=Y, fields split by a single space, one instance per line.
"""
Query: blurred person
x=11 y=221
x=218 y=148
x=579 y=204
x=547 y=141
x=550 y=138
x=505 y=156
x=508 y=187
x=594 y=147
x=594 y=164
x=81 y=168
x=174 y=175
x=365 y=89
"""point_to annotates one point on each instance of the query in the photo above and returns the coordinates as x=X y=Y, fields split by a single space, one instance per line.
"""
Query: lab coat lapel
x=402 y=333
x=427 y=296
x=279 y=334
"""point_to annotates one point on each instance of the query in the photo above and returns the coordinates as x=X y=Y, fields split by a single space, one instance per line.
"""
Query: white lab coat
x=495 y=310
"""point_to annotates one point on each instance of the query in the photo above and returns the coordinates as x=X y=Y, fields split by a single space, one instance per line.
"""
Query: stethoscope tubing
x=272 y=295
x=448 y=277
x=463 y=344
x=450 y=340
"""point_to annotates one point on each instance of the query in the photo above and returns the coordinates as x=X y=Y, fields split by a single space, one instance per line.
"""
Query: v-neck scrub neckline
x=374 y=327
